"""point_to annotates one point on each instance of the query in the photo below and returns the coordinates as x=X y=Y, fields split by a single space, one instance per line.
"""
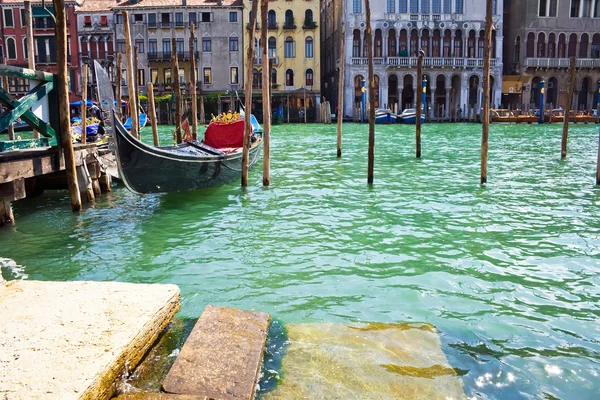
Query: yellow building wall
x=299 y=63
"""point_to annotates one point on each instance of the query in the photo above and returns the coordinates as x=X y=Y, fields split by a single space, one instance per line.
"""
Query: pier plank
x=74 y=340
x=222 y=357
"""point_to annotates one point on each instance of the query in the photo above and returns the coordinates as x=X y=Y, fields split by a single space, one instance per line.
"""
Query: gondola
x=187 y=166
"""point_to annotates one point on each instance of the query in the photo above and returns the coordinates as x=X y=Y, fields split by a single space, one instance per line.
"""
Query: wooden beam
x=14 y=190
x=32 y=120
x=341 y=78
x=30 y=45
x=25 y=73
x=84 y=104
x=10 y=129
x=419 y=109
x=485 y=118
x=66 y=140
x=152 y=113
x=130 y=77
x=571 y=84
x=25 y=103
x=137 y=87
x=266 y=95
x=193 y=83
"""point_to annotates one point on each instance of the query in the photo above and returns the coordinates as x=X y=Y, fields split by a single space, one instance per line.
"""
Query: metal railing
x=258 y=60
x=441 y=62
x=531 y=62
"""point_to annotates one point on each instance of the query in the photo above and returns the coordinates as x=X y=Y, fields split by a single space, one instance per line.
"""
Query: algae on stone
x=370 y=361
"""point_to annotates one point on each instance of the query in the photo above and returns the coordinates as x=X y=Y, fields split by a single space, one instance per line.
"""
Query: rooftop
x=125 y=4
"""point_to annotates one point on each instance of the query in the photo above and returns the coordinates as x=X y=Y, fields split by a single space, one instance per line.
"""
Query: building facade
x=217 y=48
x=540 y=38
x=451 y=34
x=294 y=45
x=13 y=29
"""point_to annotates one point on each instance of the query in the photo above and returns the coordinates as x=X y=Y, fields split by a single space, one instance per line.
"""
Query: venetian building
x=540 y=38
x=451 y=34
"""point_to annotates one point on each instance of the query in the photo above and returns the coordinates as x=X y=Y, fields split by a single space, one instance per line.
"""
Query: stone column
x=447 y=104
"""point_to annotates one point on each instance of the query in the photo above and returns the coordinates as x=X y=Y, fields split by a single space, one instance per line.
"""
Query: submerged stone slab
x=159 y=396
x=371 y=361
x=73 y=340
x=222 y=357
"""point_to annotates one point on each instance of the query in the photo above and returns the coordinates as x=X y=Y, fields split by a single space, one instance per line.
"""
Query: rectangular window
x=167 y=76
x=357 y=6
x=140 y=45
x=23 y=22
x=165 y=20
x=181 y=76
x=289 y=48
x=234 y=79
x=436 y=7
x=447 y=6
x=103 y=20
x=152 y=46
x=207 y=76
x=414 y=6
x=391 y=6
x=587 y=9
x=118 y=18
x=8 y=18
x=206 y=17
x=494 y=7
x=178 y=19
x=87 y=20
x=138 y=18
x=309 y=77
x=192 y=18
x=425 y=6
x=124 y=77
x=195 y=45
x=141 y=78
x=233 y=44
x=154 y=76
x=206 y=45
x=152 y=20
x=120 y=46
x=180 y=47
x=309 y=48
x=166 y=46
x=458 y=9
x=575 y=6
x=597 y=9
x=233 y=16
x=403 y=7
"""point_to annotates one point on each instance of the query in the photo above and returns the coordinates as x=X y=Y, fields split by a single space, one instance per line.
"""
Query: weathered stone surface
x=374 y=361
x=159 y=396
x=222 y=357
x=73 y=340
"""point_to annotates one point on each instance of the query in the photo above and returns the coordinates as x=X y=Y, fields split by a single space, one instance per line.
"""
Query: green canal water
x=508 y=273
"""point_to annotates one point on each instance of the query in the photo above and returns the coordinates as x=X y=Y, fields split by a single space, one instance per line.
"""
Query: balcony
x=309 y=25
x=258 y=60
x=273 y=27
x=166 y=56
x=46 y=59
x=43 y=23
x=257 y=27
x=289 y=26
x=560 y=62
x=431 y=62
x=165 y=24
x=88 y=58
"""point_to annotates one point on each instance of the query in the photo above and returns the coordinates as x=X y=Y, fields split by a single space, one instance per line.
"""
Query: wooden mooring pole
x=136 y=89
x=341 y=77
x=485 y=126
x=30 y=45
x=63 y=103
x=119 y=80
x=419 y=108
x=11 y=128
x=598 y=162
x=565 y=133
x=266 y=95
x=133 y=112
x=248 y=95
x=176 y=89
x=84 y=83
x=369 y=40
x=152 y=113
x=193 y=82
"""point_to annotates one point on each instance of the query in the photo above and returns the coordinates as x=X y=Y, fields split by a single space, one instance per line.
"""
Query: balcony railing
x=46 y=59
x=165 y=24
x=258 y=60
x=289 y=26
x=439 y=62
x=309 y=25
x=166 y=56
x=560 y=62
x=107 y=56
x=273 y=27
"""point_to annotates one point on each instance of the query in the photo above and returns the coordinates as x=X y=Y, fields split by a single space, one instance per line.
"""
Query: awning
x=41 y=12
x=512 y=84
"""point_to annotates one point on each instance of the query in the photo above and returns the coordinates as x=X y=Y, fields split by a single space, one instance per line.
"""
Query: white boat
x=409 y=116
x=385 y=116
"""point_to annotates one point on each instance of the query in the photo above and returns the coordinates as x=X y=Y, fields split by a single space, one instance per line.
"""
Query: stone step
x=222 y=357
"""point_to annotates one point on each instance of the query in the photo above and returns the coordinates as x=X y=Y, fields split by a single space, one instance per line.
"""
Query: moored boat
x=143 y=120
x=385 y=116
x=503 y=116
x=409 y=116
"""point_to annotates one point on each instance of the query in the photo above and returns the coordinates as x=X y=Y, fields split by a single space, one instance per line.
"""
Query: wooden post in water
x=176 y=89
x=84 y=83
x=136 y=88
x=152 y=113
x=193 y=83
x=266 y=94
x=30 y=45
x=119 y=80
x=565 y=133
x=419 y=108
x=202 y=117
x=598 y=163
x=11 y=128
x=133 y=112
x=369 y=41
x=485 y=120
x=63 y=103
x=248 y=94
x=341 y=77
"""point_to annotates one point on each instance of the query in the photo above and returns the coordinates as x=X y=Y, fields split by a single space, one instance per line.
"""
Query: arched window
x=308 y=48
x=309 y=77
x=273 y=76
x=289 y=77
x=272 y=20
x=378 y=43
x=289 y=48
x=11 y=48
x=392 y=44
x=356 y=43
x=256 y=79
x=530 y=44
x=272 y=46
x=517 y=48
x=25 y=53
x=308 y=19
x=289 y=19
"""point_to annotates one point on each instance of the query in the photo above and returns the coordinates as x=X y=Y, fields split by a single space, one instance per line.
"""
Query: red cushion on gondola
x=219 y=135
